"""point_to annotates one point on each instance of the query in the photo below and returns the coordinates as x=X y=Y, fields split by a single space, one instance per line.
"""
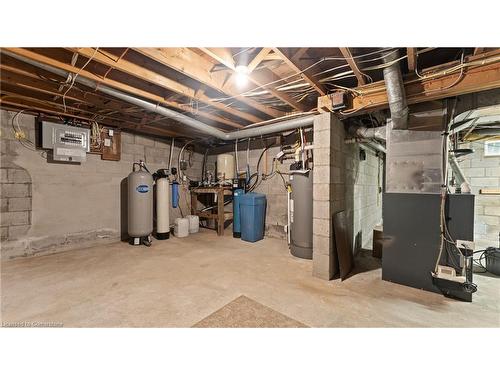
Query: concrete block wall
x=363 y=189
x=483 y=172
x=329 y=186
x=342 y=182
x=49 y=207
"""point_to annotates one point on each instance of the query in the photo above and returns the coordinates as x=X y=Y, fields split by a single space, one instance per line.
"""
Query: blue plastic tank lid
x=253 y=197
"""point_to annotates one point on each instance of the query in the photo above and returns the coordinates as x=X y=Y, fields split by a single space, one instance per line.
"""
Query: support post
x=328 y=191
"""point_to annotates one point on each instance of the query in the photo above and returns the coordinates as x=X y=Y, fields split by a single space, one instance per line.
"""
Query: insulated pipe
x=364 y=132
x=459 y=174
x=396 y=92
x=186 y=120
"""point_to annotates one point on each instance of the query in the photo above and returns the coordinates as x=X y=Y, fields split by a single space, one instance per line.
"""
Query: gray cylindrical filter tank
x=301 y=214
x=140 y=206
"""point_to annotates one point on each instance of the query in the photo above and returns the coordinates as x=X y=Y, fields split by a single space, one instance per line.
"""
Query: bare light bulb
x=241 y=75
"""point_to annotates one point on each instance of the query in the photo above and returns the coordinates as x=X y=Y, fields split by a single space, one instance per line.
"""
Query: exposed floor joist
x=117 y=85
x=352 y=64
x=262 y=78
x=301 y=70
x=412 y=58
x=479 y=76
x=160 y=80
x=188 y=62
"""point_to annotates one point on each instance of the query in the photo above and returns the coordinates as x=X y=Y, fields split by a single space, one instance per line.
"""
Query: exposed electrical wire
x=75 y=76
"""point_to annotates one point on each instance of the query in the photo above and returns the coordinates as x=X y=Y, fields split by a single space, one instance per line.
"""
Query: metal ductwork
x=186 y=120
x=396 y=92
x=378 y=133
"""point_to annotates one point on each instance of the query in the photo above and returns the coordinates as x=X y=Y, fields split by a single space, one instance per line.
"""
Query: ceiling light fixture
x=241 y=75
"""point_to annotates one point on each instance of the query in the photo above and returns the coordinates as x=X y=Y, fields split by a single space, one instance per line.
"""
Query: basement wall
x=483 y=172
x=342 y=182
x=48 y=207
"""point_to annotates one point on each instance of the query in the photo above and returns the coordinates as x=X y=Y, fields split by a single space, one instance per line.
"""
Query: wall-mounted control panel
x=69 y=143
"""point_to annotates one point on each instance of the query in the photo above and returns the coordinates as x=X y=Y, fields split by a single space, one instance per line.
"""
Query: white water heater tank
x=181 y=227
x=225 y=167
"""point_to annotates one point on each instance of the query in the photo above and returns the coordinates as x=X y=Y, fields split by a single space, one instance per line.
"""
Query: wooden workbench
x=220 y=216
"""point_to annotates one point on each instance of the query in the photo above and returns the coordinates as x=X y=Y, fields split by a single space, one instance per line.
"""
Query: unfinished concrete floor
x=177 y=283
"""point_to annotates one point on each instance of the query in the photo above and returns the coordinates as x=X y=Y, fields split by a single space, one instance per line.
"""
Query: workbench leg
x=220 y=213
x=194 y=202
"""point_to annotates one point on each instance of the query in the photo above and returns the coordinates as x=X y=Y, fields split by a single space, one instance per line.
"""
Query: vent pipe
x=395 y=92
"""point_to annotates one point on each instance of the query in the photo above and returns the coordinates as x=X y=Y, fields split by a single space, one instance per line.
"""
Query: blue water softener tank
x=175 y=194
x=237 y=193
x=252 y=216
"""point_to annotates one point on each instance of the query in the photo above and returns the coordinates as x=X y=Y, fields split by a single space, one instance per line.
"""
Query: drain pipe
x=291 y=124
x=396 y=92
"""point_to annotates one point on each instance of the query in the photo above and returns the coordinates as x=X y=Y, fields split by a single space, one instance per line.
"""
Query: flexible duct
x=395 y=92
x=370 y=133
x=186 y=120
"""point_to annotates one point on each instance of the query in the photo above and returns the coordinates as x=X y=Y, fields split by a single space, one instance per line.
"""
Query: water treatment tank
x=252 y=216
x=237 y=193
x=301 y=214
x=225 y=167
x=162 y=208
x=140 y=206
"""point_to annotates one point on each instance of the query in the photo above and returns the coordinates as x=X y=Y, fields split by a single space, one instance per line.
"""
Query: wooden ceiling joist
x=9 y=104
x=412 y=59
x=261 y=78
x=476 y=77
x=161 y=81
x=195 y=66
x=299 y=68
x=32 y=82
x=352 y=64
x=261 y=55
x=116 y=85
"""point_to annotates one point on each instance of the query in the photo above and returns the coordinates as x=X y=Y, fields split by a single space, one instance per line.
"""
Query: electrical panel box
x=69 y=143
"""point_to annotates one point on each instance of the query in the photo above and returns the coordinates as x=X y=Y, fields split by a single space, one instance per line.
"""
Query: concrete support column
x=328 y=168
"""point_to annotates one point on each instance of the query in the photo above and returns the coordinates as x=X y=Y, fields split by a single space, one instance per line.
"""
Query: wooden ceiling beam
x=412 y=59
x=484 y=75
x=262 y=77
x=195 y=66
x=12 y=90
x=352 y=64
x=115 y=84
x=26 y=103
x=50 y=88
x=160 y=80
x=299 y=68
x=261 y=55
x=478 y=50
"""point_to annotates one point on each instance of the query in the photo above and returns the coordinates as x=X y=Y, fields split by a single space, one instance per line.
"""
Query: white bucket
x=181 y=227
x=194 y=223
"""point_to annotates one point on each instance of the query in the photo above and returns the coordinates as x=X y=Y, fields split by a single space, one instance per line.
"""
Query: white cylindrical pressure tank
x=194 y=223
x=225 y=167
x=140 y=206
x=181 y=227
x=162 y=204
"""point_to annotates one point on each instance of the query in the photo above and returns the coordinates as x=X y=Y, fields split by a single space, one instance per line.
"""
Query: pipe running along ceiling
x=277 y=127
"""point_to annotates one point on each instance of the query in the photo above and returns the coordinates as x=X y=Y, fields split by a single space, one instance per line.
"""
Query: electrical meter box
x=69 y=143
